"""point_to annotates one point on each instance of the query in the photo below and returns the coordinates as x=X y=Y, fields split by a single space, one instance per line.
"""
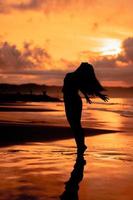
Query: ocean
x=115 y=114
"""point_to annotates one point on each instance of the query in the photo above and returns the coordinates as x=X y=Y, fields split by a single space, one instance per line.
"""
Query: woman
x=82 y=79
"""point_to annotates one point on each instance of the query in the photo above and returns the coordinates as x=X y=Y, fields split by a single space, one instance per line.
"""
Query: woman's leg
x=73 y=113
x=78 y=134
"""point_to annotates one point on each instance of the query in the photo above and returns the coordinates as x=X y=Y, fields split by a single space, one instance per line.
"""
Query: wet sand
x=38 y=155
x=49 y=171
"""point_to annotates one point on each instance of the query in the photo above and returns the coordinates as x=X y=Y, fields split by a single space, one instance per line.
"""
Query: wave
x=127 y=113
x=103 y=103
x=114 y=155
x=121 y=112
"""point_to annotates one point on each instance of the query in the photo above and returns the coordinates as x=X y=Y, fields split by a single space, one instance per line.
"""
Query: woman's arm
x=104 y=97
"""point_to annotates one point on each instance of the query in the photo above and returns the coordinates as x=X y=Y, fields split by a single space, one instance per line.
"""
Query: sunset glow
x=55 y=36
x=111 y=47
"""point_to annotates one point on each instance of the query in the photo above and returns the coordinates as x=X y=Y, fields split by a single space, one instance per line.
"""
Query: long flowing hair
x=87 y=80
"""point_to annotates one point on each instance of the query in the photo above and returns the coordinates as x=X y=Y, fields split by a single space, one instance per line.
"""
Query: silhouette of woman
x=82 y=79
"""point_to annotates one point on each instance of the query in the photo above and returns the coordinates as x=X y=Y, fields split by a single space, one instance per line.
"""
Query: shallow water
x=115 y=114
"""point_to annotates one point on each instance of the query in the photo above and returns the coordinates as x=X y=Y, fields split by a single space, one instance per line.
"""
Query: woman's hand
x=89 y=101
x=104 y=97
x=86 y=97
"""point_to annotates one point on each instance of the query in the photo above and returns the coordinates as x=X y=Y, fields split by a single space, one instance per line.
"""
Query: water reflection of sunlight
x=105 y=115
x=33 y=169
x=108 y=119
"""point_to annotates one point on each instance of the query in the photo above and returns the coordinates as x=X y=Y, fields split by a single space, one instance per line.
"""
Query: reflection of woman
x=82 y=79
x=72 y=185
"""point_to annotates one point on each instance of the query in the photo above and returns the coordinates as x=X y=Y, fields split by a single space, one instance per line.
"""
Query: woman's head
x=84 y=70
x=86 y=78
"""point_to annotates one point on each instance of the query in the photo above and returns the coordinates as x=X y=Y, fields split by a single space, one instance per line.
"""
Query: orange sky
x=45 y=38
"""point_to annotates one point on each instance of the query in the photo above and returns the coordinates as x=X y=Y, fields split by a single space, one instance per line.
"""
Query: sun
x=110 y=47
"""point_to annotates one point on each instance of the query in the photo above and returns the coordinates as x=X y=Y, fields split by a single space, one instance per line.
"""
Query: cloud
x=31 y=64
x=31 y=5
x=123 y=59
x=45 y=6
x=37 y=65
x=105 y=62
x=30 y=57
x=117 y=68
x=128 y=48
x=4 y=8
x=12 y=58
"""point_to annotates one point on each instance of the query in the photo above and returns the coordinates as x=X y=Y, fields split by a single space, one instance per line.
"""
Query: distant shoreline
x=18 y=97
x=56 y=91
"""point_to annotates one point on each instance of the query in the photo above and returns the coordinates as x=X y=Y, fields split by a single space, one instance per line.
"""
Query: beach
x=38 y=154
